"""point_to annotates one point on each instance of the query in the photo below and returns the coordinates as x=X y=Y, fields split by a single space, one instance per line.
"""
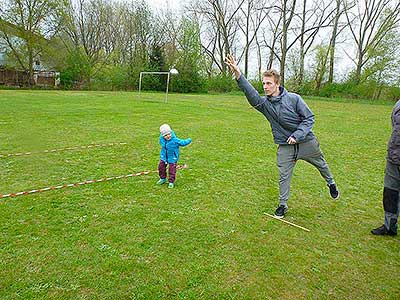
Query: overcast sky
x=163 y=4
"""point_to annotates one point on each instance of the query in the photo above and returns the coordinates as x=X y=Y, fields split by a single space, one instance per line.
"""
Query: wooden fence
x=21 y=78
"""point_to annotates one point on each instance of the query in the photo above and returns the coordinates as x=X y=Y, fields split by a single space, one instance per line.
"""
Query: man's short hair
x=273 y=73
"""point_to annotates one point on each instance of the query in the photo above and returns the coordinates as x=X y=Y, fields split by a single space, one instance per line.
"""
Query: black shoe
x=280 y=211
x=333 y=191
x=383 y=231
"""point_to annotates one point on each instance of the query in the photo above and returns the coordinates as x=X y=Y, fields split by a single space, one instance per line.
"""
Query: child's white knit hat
x=165 y=129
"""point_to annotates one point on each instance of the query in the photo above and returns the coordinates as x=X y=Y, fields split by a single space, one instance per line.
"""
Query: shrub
x=307 y=89
x=188 y=83
x=258 y=85
x=221 y=83
x=393 y=93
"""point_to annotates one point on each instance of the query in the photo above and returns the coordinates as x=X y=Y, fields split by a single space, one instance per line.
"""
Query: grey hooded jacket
x=287 y=113
x=393 y=149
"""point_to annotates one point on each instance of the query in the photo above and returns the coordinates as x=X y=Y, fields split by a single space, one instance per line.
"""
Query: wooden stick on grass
x=287 y=222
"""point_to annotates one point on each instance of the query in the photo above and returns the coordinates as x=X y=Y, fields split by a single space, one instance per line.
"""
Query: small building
x=46 y=78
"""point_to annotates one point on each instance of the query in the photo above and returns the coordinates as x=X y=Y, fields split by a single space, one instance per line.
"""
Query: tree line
x=104 y=44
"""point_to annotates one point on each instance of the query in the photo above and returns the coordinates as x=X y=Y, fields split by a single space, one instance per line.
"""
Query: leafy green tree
x=77 y=67
x=156 y=64
x=190 y=59
x=25 y=29
x=320 y=65
x=383 y=61
x=132 y=53
x=90 y=27
x=369 y=25
x=383 y=64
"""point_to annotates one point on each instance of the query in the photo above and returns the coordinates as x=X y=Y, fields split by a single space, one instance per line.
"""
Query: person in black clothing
x=391 y=189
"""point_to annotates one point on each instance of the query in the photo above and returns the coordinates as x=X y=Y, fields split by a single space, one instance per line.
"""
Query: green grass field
x=206 y=239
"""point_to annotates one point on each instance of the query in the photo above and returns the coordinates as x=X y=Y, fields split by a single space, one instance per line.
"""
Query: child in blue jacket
x=169 y=154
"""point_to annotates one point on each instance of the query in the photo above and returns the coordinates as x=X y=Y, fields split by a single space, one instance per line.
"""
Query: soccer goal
x=173 y=71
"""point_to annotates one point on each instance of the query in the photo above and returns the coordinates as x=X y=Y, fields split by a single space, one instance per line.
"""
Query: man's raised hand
x=231 y=63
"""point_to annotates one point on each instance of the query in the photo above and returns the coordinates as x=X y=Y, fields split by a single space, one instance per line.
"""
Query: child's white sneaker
x=171 y=185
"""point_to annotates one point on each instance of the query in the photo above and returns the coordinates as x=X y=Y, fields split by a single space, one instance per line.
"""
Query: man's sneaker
x=162 y=181
x=280 y=211
x=333 y=191
x=171 y=185
x=383 y=231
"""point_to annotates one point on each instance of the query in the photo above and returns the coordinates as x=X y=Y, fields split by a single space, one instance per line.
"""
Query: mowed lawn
x=207 y=238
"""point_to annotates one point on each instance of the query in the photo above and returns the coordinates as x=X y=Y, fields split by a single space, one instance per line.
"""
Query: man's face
x=271 y=88
x=167 y=136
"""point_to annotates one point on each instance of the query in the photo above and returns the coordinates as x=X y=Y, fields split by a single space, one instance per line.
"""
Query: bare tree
x=287 y=10
x=271 y=38
x=325 y=55
x=219 y=19
x=259 y=57
x=312 y=20
x=253 y=12
x=335 y=32
x=369 y=24
x=170 y=30
x=290 y=27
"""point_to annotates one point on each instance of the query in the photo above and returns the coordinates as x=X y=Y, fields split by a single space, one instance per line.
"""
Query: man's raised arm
x=251 y=93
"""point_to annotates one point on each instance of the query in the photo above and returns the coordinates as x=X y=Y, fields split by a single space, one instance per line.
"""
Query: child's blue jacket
x=170 y=149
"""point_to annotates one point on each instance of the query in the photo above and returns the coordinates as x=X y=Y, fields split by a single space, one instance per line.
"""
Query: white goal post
x=173 y=71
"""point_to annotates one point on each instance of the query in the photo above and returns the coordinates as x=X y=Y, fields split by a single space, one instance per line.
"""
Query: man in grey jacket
x=391 y=183
x=291 y=122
